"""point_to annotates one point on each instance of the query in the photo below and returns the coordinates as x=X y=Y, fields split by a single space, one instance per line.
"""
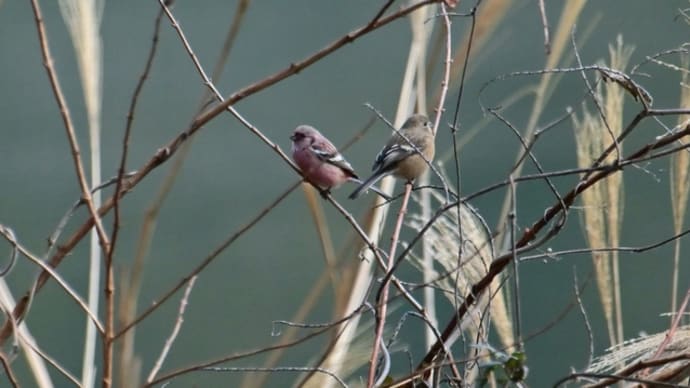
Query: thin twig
x=674 y=326
x=382 y=296
x=176 y=330
x=527 y=152
x=592 y=94
x=446 y=71
x=456 y=116
x=14 y=251
x=128 y=127
x=128 y=294
x=512 y=218
x=445 y=82
x=346 y=323
x=279 y=369
x=589 y=251
x=207 y=260
x=9 y=372
x=9 y=236
x=237 y=356
x=545 y=24
x=381 y=12
x=296 y=67
x=588 y=326
x=69 y=126
x=53 y=238
x=50 y=360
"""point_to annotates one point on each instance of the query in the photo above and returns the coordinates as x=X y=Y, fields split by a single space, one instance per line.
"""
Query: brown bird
x=405 y=155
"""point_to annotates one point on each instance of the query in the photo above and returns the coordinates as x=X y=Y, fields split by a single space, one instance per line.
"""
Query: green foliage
x=505 y=369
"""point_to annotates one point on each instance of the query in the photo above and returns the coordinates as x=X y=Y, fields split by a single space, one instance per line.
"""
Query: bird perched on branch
x=320 y=161
x=406 y=155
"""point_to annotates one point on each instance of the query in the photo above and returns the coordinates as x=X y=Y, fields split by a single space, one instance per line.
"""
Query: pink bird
x=318 y=158
x=320 y=161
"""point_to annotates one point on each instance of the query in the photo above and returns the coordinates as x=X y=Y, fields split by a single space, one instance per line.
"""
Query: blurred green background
x=229 y=174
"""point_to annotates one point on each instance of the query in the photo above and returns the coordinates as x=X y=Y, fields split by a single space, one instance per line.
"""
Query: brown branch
x=107 y=378
x=382 y=300
x=128 y=130
x=448 y=62
x=7 y=366
x=127 y=298
x=674 y=326
x=296 y=67
x=69 y=126
x=545 y=25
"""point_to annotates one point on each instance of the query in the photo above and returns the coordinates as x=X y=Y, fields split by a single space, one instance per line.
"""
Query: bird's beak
x=293 y=137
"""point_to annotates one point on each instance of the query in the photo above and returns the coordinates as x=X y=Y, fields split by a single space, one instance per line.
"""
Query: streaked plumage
x=405 y=155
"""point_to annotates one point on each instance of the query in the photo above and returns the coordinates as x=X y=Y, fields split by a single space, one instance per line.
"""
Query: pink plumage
x=319 y=160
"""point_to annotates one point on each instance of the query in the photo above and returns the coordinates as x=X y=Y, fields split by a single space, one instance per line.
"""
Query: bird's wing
x=335 y=158
x=390 y=155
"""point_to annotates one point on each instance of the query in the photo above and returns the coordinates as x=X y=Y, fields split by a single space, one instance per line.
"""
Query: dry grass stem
x=603 y=204
x=83 y=18
x=680 y=183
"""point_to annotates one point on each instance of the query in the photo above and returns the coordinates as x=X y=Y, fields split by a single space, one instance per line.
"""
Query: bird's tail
x=363 y=186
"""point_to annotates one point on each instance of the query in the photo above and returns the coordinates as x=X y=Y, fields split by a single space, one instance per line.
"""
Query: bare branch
x=176 y=329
